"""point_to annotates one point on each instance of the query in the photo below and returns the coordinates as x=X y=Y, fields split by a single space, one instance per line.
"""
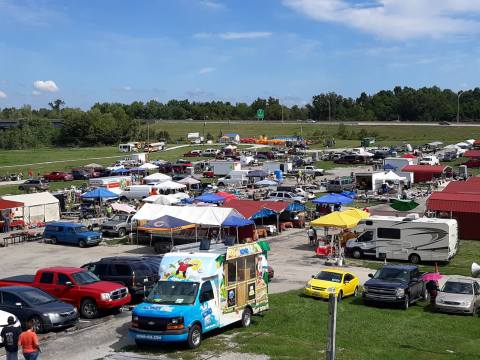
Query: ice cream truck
x=202 y=290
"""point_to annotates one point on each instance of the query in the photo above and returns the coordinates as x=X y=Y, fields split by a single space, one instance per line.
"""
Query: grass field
x=295 y=328
x=387 y=135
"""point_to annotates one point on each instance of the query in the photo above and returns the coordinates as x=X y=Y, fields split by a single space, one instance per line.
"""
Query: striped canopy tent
x=166 y=224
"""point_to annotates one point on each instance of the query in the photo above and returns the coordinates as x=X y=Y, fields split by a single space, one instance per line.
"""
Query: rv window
x=232 y=272
x=250 y=267
x=386 y=233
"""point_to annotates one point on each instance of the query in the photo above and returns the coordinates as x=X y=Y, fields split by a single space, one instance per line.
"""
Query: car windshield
x=81 y=229
x=391 y=274
x=36 y=297
x=173 y=292
x=85 y=278
x=329 y=276
x=453 y=287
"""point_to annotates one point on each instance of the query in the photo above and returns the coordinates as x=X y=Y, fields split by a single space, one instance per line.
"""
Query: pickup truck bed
x=26 y=279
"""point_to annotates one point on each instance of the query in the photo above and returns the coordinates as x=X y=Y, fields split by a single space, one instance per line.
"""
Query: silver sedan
x=459 y=295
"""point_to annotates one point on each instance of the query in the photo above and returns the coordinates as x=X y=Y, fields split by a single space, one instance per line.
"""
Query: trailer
x=410 y=238
x=223 y=167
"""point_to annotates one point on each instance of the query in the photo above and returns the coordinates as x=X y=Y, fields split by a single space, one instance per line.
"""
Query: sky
x=232 y=50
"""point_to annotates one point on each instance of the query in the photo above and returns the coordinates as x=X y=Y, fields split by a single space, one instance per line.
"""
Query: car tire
x=406 y=303
x=53 y=240
x=246 y=317
x=425 y=295
x=194 y=336
x=89 y=309
x=357 y=253
x=38 y=326
x=220 y=184
x=122 y=232
x=82 y=243
x=355 y=292
x=340 y=296
x=414 y=259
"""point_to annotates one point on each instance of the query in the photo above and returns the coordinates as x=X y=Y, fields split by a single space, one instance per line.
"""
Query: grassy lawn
x=469 y=251
x=296 y=326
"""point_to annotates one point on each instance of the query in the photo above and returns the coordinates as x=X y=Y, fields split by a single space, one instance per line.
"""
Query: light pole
x=460 y=93
x=329 y=110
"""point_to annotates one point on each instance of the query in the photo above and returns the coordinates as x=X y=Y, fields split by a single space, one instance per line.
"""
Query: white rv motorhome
x=411 y=238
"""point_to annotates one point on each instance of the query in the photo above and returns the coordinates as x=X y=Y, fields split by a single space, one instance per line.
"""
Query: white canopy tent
x=205 y=215
x=169 y=185
x=38 y=207
x=148 y=166
x=189 y=181
x=157 y=178
x=391 y=176
x=171 y=199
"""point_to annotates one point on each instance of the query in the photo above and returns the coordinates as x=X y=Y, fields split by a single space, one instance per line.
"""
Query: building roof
x=472 y=154
x=429 y=169
x=455 y=202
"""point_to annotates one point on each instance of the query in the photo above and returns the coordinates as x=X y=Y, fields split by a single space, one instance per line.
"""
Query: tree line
x=111 y=123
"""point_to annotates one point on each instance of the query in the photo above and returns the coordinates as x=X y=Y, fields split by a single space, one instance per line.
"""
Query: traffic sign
x=260 y=114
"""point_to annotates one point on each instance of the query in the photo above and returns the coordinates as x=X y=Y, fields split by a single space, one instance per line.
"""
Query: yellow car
x=340 y=282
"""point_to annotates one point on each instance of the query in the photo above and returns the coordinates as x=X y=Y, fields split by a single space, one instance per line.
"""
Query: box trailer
x=224 y=167
x=411 y=238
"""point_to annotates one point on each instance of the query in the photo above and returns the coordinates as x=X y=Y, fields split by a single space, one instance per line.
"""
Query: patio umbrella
x=332 y=199
x=403 y=205
x=356 y=213
x=432 y=276
x=336 y=219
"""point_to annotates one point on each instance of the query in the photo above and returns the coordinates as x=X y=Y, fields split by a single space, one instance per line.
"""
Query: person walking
x=29 y=342
x=10 y=335
x=312 y=235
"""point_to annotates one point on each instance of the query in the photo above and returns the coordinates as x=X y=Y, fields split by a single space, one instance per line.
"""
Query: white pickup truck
x=429 y=160
x=311 y=170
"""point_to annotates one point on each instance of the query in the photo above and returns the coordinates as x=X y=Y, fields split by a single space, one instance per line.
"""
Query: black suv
x=137 y=273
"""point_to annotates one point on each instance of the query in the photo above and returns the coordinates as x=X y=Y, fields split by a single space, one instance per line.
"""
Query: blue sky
x=236 y=50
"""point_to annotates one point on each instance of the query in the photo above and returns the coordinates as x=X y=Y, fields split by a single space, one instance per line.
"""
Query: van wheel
x=53 y=240
x=82 y=243
x=357 y=253
x=414 y=259
x=194 y=336
x=122 y=232
x=89 y=309
x=246 y=317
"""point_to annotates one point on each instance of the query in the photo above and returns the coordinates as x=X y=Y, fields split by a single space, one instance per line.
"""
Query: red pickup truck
x=75 y=286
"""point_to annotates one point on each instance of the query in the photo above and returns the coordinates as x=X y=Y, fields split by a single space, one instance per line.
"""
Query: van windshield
x=173 y=292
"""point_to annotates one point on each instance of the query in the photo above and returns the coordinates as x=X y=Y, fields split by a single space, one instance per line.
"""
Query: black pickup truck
x=397 y=284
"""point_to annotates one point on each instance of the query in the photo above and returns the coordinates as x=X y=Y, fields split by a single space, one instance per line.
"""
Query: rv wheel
x=357 y=253
x=246 y=317
x=414 y=259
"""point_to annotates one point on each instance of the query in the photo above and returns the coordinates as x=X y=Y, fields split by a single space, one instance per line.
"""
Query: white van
x=410 y=238
x=234 y=177
x=136 y=192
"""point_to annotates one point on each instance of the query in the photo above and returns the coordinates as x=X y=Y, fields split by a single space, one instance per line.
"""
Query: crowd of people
x=13 y=338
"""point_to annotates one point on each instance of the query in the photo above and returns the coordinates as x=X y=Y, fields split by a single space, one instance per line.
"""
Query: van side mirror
x=18 y=304
x=370 y=275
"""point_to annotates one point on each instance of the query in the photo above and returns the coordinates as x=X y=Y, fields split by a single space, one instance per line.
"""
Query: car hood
x=157 y=310
x=386 y=284
x=454 y=297
x=102 y=286
x=54 y=307
x=324 y=283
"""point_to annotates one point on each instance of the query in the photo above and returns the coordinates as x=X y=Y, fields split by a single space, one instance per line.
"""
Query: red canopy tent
x=8 y=204
x=472 y=154
x=408 y=156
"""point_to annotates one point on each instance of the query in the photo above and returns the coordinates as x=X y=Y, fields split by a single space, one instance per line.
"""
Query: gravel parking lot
x=292 y=259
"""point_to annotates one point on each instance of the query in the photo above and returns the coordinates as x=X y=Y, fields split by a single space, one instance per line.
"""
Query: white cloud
x=125 y=88
x=3 y=95
x=206 y=70
x=234 y=35
x=36 y=93
x=47 y=85
x=211 y=4
x=397 y=19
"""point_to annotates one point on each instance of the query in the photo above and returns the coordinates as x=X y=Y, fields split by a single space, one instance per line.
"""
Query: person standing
x=6 y=222
x=29 y=342
x=10 y=335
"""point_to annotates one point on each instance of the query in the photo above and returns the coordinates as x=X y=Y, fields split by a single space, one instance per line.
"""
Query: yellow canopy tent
x=336 y=219
x=356 y=213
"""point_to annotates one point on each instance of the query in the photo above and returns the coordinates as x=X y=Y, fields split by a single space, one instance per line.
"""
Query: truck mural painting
x=200 y=291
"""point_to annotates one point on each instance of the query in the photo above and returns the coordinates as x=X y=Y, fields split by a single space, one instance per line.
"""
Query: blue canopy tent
x=99 y=194
x=167 y=223
x=121 y=172
x=349 y=194
x=335 y=199
x=236 y=221
x=295 y=207
x=210 y=198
